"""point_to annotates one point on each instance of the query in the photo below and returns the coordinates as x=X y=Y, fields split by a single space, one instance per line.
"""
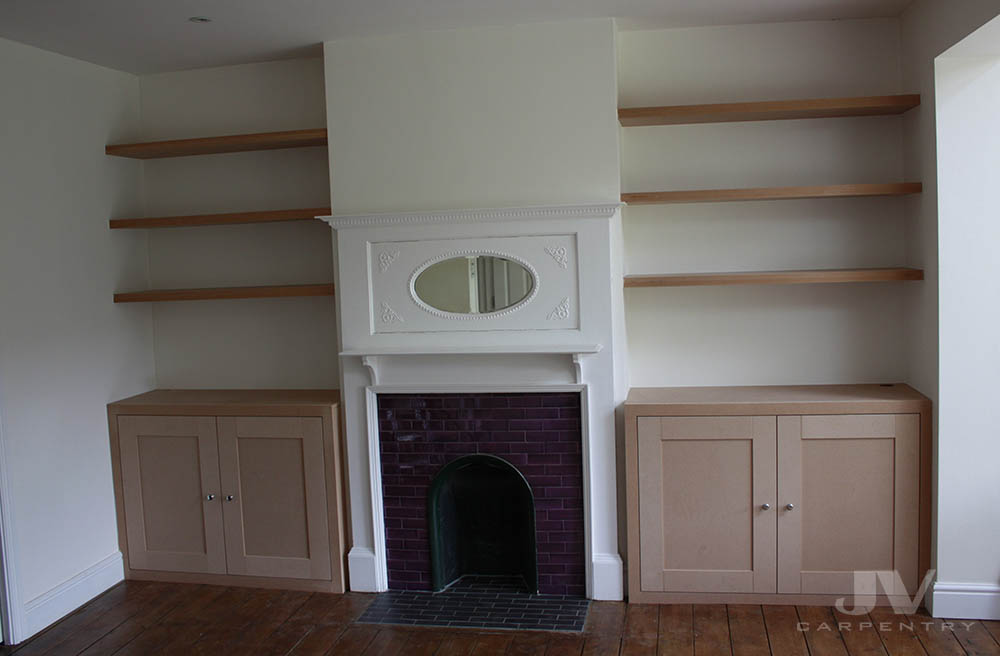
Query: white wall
x=473 y=118
x=762 y=334
x=929 y=28
x=262 y=343
x=968 y=166
x=65 y=349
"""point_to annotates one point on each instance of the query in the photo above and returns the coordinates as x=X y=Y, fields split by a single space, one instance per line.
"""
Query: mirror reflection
x=474 y=284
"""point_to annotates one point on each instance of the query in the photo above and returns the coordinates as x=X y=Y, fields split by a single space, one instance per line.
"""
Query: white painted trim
x=12 y=615
x=960 y=601
x=609 y=577
x=381 y=562
x=528 y=349
x=69 y=595
x=476 y=389
x=361 y=570
x=474 y=216
x=511 y=356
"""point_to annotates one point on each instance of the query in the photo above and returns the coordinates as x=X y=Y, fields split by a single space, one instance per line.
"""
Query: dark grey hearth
x=480 y=602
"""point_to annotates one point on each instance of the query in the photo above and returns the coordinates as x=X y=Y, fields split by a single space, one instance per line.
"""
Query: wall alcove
x=481 y=514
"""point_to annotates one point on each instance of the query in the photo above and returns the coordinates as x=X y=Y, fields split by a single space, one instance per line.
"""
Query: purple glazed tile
x=422 y=433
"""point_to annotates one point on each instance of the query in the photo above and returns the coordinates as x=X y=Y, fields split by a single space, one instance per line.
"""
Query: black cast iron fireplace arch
x=481 y=515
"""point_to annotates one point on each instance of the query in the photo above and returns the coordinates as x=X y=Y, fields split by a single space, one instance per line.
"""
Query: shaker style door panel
x=274 y=496
x=704 y=483
x=170 y=480
x=852 y=484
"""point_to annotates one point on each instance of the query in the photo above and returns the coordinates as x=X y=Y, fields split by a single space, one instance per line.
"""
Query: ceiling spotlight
x=200 y=19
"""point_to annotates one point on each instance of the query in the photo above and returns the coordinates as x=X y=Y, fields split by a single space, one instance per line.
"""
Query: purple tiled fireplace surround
x=539 y=433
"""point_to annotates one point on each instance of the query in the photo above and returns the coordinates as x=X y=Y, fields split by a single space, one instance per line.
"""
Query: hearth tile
x=480 y=602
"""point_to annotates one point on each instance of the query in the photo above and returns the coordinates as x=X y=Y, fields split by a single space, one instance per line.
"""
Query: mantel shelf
x=525 y=349
x=272 y=216
x=224 y=293
x=774 y=277
x=228 y=144
x=771 y=193
x=768 y=111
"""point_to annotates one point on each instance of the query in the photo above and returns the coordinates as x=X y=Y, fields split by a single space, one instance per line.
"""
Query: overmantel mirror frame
x=470 y=253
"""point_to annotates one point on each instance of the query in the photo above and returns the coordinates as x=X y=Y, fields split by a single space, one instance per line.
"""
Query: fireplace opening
x=482 y=522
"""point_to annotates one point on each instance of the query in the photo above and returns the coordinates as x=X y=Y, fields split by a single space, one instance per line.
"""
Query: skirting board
x=966 y=601
x=361 y=570
x=609 y=578
x=66 y=597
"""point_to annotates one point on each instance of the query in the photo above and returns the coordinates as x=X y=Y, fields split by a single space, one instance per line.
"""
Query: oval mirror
x=474 y=284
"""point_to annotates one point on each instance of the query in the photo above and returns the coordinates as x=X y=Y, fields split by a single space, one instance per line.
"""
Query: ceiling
x=149 y=36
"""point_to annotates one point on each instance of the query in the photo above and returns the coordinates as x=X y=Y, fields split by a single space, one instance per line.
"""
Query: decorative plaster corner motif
x=560 y=311
x=389 y=315
x=560 y=254
x=385 y=260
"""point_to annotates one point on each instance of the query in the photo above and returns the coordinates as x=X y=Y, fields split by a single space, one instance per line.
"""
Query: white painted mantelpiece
x=567 y=335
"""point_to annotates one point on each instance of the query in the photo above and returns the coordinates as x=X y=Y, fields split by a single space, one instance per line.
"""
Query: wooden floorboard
x=898 y=636
x=711 y=630
x=528 y=644
x=747 y=633
x=822 y=635
x=974 y=638
x=994 y=628
x=859 y=635
x=676 y=636
x=935 y=636
x=603 y=629
x=642 y=623
x=783 y=634
x=146 y=618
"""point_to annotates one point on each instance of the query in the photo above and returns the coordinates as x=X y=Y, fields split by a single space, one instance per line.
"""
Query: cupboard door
x=276 y=521
x=853 y=482
x=170 y=467
x=703 y=482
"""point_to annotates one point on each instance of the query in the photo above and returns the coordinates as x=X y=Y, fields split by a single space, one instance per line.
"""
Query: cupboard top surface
x=778 y=400
x=227 y=402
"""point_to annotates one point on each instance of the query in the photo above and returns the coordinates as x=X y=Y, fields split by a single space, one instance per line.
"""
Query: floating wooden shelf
x=229 y=144
x=308 y=213
x=271 y=291
x=768 y=111
x=774 y=277
x=771 y=193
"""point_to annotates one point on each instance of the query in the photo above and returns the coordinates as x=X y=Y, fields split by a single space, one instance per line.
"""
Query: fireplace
x=481 y=519
x=488 y=338
x=486 y=483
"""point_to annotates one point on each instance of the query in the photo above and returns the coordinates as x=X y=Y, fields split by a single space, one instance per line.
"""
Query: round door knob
x=765 y=506
x=210 y=497
x=790 y=506
x=229 y=497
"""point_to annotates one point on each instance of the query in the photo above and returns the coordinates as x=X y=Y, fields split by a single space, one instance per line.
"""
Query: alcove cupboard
x=230 y=487
x=767 y=494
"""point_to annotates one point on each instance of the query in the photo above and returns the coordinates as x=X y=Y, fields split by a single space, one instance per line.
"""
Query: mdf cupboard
x=230 y=487
x=775 y=494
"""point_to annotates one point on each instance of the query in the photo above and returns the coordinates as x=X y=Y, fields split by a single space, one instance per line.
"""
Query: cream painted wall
x=268 y=343
x=65 y=349
x=763 y=334
x=473 y=118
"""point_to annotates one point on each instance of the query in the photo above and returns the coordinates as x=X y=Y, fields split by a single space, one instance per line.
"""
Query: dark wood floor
x=161 y=618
